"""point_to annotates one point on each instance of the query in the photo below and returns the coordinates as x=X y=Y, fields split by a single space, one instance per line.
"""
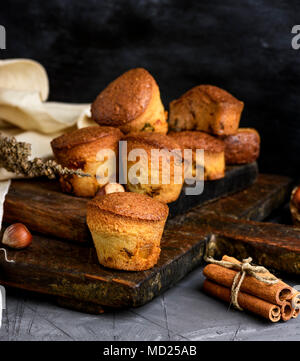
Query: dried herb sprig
x=14 y=158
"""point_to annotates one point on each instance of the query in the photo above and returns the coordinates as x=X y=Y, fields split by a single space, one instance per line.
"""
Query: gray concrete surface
x=181 y=313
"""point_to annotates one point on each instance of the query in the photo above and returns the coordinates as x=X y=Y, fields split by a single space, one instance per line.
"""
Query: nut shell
x=111 y=188
x=17 y=236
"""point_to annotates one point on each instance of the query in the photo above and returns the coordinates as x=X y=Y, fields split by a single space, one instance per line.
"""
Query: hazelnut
x=296 y=198
x=17 y=236
x=111 y=188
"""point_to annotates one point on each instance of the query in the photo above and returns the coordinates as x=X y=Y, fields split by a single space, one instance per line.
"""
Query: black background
x=241 y=46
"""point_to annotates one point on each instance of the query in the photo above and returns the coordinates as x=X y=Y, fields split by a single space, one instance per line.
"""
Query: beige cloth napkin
x=26 y=114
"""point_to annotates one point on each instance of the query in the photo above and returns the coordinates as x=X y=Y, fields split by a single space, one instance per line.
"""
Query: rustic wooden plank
x=45 y=209
x=72 y=272
x=41 y=205
x=236 y=179
x=269 y=244
x=256 y=202
x=58 y=268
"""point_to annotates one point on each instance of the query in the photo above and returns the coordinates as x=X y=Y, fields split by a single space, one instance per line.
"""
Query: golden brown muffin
x=78 y=149
x=242 y=147
x=132 y=103
x=214 y=159
x=151 y=180
x=127 y=229
x=206 y=108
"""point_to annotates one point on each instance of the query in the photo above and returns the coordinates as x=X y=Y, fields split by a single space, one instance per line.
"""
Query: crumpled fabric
x=26 y=114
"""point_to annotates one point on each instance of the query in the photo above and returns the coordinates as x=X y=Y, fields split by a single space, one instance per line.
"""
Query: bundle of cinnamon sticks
x=274 y=302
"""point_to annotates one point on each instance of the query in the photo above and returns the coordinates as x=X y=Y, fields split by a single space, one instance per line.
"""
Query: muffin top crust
x=124 y=99
x=83 y=136
x=213 y=94
x=154 y=140
x=198 y=140
x=247 y=130
x=132 y=205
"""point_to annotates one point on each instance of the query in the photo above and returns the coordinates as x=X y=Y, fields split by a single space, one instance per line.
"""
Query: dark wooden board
x=269 y=244
x=71 y=271
x=42 y=206
x=236 y=179
x=231 y=219
x=254 y=203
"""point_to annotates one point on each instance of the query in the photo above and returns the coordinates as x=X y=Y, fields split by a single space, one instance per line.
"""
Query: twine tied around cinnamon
x=245 y=268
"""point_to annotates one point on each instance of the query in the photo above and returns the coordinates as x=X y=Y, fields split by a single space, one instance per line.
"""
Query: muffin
x=131 y=103
x=206 y=108
x=78 y=150
x=242 y=147
x=160 y=180
x=127 y=229
x=214 y=159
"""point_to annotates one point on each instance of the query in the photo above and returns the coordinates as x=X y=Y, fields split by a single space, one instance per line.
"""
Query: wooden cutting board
x=273 y=245
x=71 y=273
x=42 y=206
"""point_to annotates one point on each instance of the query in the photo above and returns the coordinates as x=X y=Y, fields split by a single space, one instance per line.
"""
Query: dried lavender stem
x=14 y=158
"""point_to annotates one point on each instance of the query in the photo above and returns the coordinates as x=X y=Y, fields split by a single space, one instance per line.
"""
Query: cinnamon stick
x=296 y=312
x=295 y=298
x=286 y=311
x=234 y=260
x=275 y=294
x=247 y=302
x=295 y=303
x=289 y=311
